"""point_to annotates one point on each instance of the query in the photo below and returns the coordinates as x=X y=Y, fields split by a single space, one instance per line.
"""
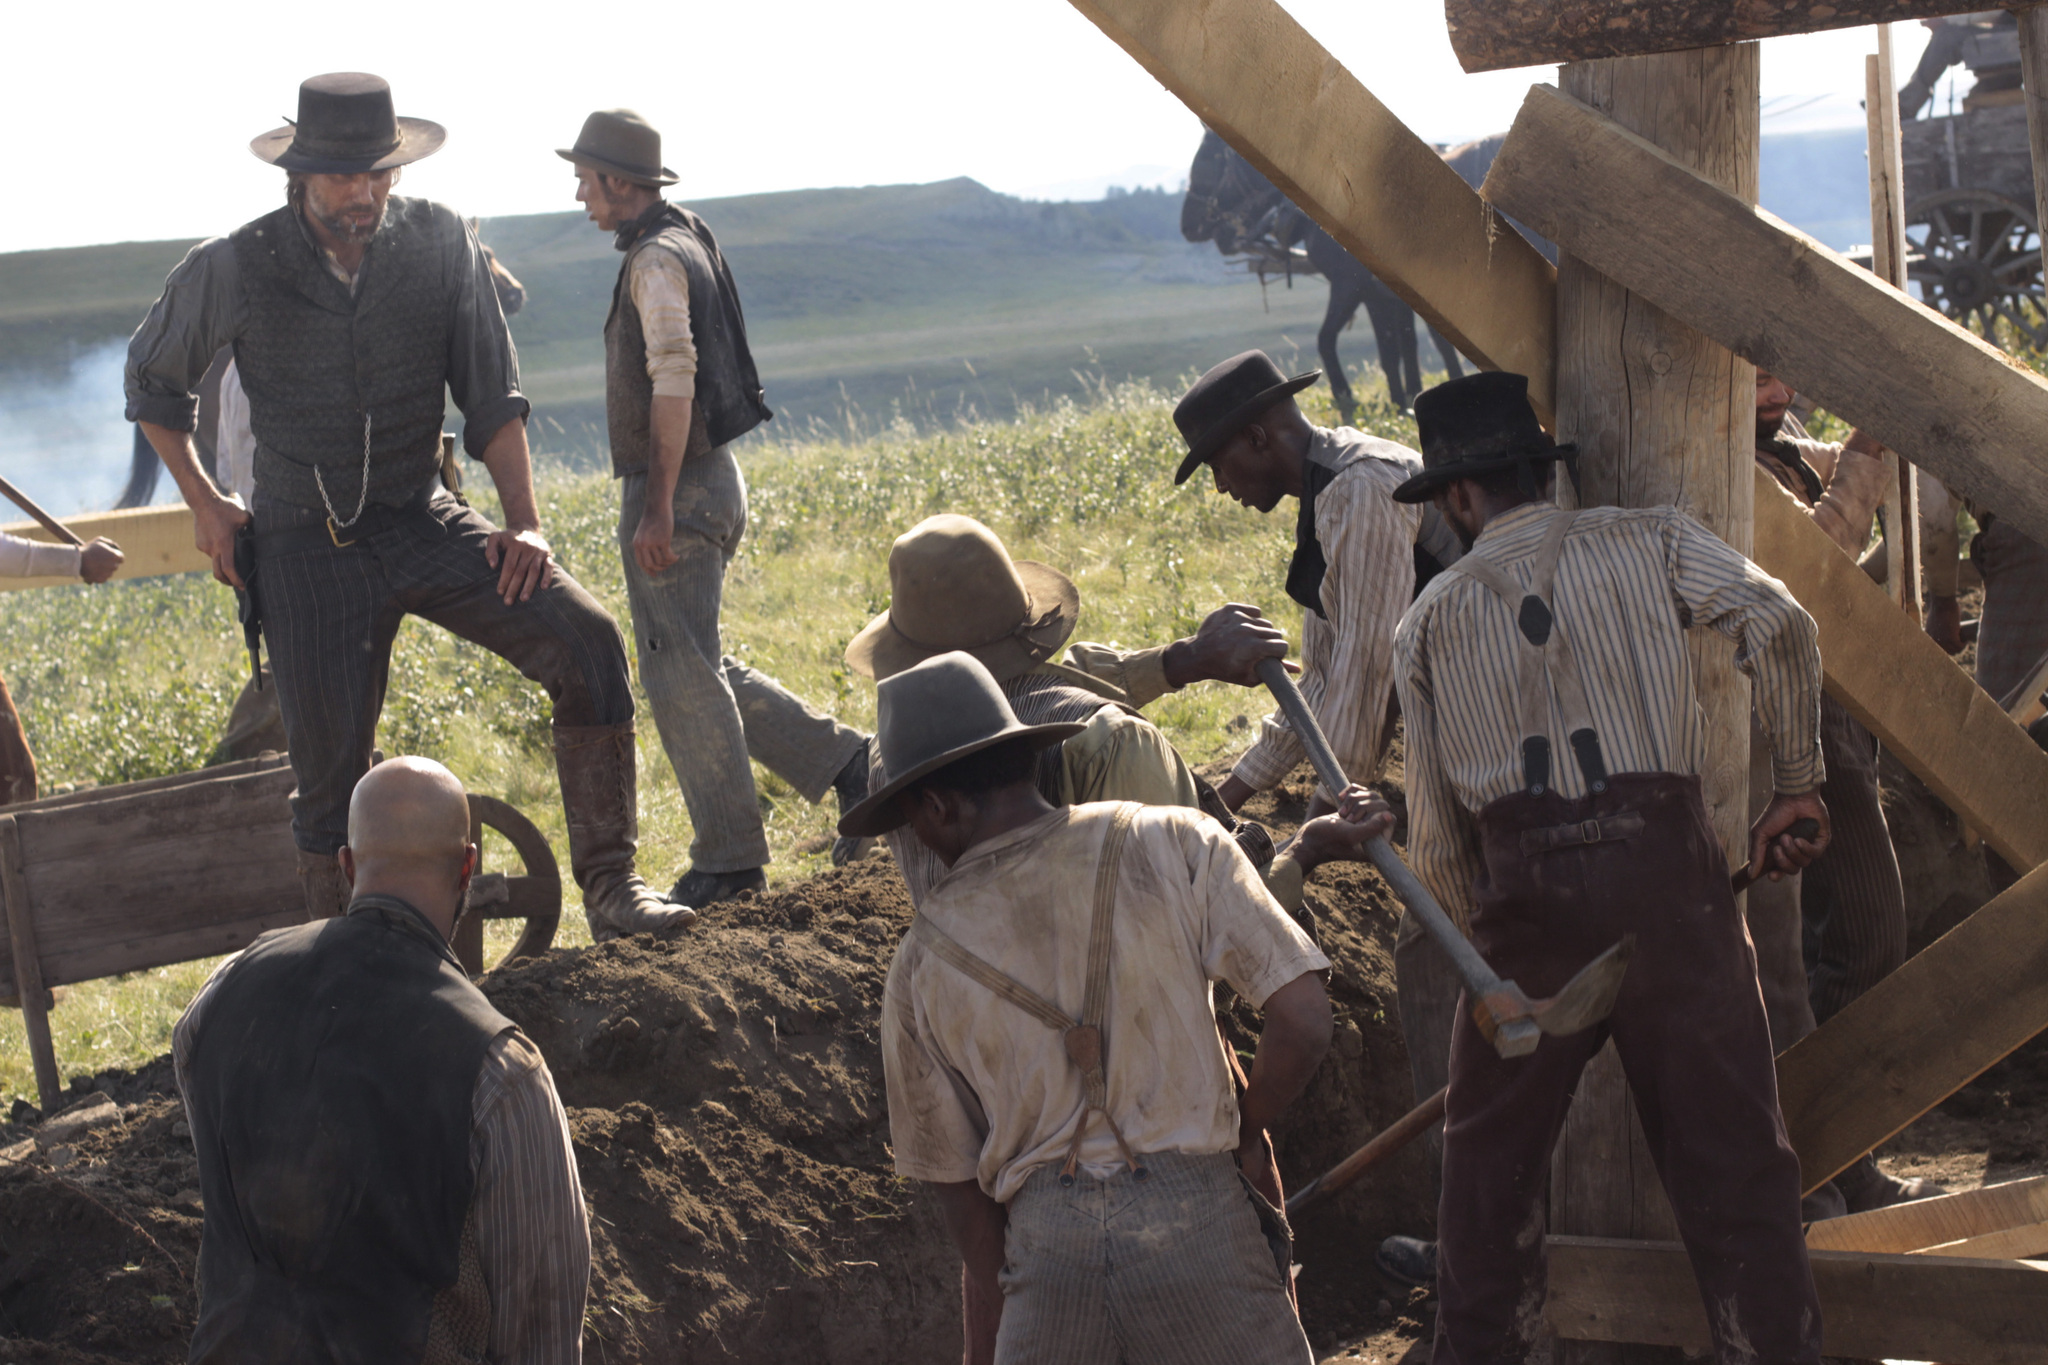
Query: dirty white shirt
x=980 y=1090
x=22 y=558
x=661 y=292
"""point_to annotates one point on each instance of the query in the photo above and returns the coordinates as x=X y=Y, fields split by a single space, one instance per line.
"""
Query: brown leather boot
x=327 y=892
x=596 y=765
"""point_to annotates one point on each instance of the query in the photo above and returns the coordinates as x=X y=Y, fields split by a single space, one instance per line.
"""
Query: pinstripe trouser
x=713 y=711
x=330 y=614
x=1851 y=902
x=1171 y=1269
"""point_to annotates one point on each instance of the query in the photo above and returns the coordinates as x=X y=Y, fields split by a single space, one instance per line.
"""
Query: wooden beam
x=1270 y=90
x=1888 y=263
x=2007 y=1244
x=28 y=967
x=1900 y=371
x=1929 y=1222
x=1895 y=680
x=2033 y=25
x=1919 y=1035
x=1491 y=35
x=155 y=540
x=1872 y=1306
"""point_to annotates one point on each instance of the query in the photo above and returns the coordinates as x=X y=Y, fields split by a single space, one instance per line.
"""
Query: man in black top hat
x=1554 y=750
x=351 y=313
x=1358 y=556
x=680 y=387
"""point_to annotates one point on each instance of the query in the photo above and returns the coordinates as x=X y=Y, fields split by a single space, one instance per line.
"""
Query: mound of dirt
x=725 y=1096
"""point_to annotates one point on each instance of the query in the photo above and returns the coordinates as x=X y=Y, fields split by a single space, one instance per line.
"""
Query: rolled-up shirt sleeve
x=661 y=291
x=483 y=364
x=200 y=311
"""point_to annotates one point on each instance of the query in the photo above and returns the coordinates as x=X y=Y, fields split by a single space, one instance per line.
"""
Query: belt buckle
x=1590 y=831
x=334 y=534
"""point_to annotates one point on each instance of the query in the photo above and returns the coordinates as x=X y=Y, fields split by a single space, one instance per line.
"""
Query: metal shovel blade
x=1588 y=997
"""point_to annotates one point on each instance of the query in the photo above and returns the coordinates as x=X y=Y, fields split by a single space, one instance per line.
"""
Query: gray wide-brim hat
x=620 y=142
x=346 y=127
x=932 y=714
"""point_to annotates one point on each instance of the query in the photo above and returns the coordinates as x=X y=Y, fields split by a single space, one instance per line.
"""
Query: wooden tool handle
x=50 y=523
x=1384 y=1144
x=1808 y=828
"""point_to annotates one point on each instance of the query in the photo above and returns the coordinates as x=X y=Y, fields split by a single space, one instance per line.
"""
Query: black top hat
x=619 y=142
x=1221 y=402
x=932 y=714
x=346 y=127
x=1480 y=424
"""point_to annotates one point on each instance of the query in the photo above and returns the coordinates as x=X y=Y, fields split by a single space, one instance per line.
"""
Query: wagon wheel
x=535 y=897
x=1980 y=260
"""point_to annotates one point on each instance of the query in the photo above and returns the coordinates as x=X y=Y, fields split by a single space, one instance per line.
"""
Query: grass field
x=134 y=680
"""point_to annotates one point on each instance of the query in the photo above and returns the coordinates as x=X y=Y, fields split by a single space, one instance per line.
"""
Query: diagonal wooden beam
x=1490 y=35
x=156 y=540
x=1925 y=387
x=1270 y=90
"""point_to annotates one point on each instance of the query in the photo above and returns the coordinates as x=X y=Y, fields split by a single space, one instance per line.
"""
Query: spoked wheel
x=1980 y=260
x=534 y=896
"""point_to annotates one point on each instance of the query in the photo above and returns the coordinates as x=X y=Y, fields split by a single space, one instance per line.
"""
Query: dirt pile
x=725 y=1094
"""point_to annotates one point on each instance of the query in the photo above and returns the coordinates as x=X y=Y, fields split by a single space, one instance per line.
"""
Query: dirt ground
x=725 y=1095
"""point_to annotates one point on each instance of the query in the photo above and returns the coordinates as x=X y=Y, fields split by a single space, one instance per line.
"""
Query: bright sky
x=1024 y=95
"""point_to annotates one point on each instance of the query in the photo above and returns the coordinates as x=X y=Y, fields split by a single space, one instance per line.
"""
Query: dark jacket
x=729 y=401
x=331 y=1084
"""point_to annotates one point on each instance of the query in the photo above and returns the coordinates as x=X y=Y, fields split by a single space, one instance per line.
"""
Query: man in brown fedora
x=350 y=313
x=1050 y=1049
x=680 y=387
x=1359 y=557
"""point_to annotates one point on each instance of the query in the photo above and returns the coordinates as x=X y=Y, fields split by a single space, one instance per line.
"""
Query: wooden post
x=2033 y=24
x=28 y=967
x=1888 y=262
x=1661 y=415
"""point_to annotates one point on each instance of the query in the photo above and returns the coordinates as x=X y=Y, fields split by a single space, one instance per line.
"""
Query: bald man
x=385 y=1164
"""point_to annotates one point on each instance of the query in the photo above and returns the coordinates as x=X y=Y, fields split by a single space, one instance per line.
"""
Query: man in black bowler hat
x=351 y=314
x=1554 y=750
x=1358 y=557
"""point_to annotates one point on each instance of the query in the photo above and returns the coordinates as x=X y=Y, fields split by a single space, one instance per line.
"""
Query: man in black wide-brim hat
x=350 y=312
x=1555 y=744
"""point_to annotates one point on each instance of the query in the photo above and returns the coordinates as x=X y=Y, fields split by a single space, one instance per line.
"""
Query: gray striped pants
x=1168 y=1270
x=713 y=711
x=1851 y=902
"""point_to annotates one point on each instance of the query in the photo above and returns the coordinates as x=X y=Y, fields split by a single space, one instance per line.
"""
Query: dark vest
x=330 y=1090
x=314 y=360
x=729 y=401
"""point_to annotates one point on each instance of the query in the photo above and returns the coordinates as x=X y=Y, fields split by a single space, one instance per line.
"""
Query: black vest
x=314 y=360
x=729 y=401
x=330 y=1089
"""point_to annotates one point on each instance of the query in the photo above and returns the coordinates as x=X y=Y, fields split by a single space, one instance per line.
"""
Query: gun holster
x=248 y=606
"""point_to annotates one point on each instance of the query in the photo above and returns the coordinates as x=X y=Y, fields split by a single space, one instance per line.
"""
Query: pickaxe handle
x=1514 y=1032
x=50 y=523
x=1384 y=1144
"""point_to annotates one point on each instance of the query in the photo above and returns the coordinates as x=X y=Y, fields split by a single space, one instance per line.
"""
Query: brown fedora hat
x=619 y=142
x=934 y=713
x=346 y=127
x=952 y=586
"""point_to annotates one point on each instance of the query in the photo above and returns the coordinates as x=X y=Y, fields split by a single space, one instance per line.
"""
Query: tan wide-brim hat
x=952 y=586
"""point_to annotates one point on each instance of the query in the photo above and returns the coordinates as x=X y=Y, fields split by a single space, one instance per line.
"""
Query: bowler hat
x=619 y=142
x=1480 y=424
x=952 y=585
x=346 y=127
x=1219 y=404
x=934 y=713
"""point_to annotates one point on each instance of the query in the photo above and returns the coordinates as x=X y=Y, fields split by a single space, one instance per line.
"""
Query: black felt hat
x=1219 y=404
x=346 y=127
x=1480 y=424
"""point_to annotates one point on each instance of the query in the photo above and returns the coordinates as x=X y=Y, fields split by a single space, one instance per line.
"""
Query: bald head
x=408 y=836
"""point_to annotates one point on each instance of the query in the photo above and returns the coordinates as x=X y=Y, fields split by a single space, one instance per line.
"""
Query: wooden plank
x=86 y=796
x=1908 y=376
x=1873 y=1306
x=1890 y=676
x=155 y=540
x=1253 y=74
x=1888 y=263
x=1492 y=35
x=2033 y=25
x=1921 y=1034
x=1929 y=1222
x=28 y=973
x=2008 y=1244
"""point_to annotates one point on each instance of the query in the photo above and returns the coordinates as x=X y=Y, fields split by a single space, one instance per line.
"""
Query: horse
x=1231 y=204
x=144 y=466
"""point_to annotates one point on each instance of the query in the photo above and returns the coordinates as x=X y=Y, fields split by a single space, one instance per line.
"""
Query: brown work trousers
x=1689 y=1026
x=17 y=764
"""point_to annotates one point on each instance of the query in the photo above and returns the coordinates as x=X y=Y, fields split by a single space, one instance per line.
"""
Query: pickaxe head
x=1514 y=1023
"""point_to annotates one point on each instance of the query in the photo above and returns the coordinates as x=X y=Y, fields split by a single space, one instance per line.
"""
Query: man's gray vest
x=330 y=1089
x=729 y=401
x=316 y=362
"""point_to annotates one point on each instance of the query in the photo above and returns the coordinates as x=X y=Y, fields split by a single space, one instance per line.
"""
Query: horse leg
x=142 y=472
x=1452 y=369
x=1343 y=303
x=1411 y=360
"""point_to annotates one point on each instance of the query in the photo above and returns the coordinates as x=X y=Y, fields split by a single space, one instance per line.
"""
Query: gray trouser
x=713 y=711
x=1851 y=901
x=330 y=614
x=1171 y=1269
